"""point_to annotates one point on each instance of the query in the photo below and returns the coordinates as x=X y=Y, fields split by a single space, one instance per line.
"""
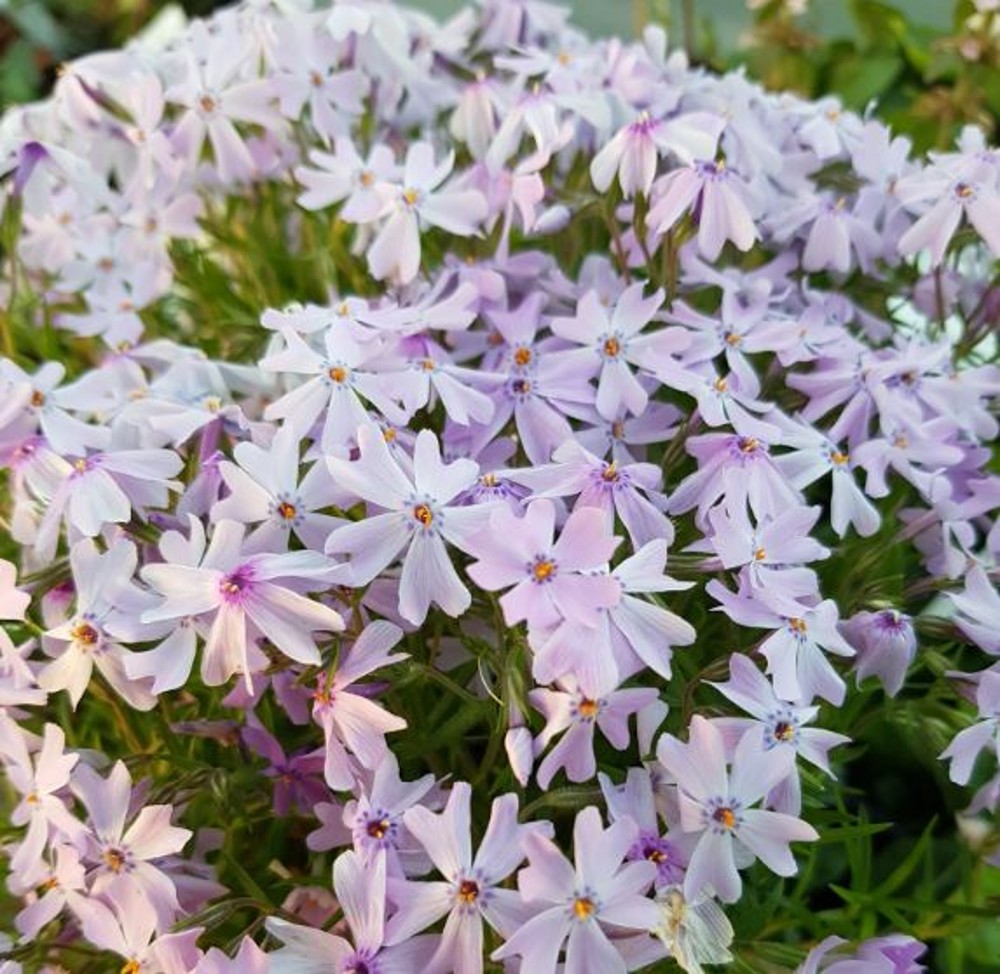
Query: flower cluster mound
x=483 y=499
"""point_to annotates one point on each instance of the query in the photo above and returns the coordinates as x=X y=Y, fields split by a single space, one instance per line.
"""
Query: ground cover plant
x=481 y=498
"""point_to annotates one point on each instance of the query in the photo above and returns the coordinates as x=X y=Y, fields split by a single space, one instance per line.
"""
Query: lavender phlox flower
x=584 y=906
x=960 y=187
x=38 y=781
x=629 y=490
x=33 y=403
x=892 y=954
x=967 y=744
x=297 y=779
x=777 y=723
x=306 y=73
x=632 y=152
x=612 y=342
x=813 y=456
x=633 y=799
x=345 y=175
x=552 y=579
x=362 y=321
x=417 y=202
x=475 y=118
x=838 y=234
x=737 y=470
x=771 y=553
x=722 y=400
x=126 y=924
x=420 y=516
x=795 y=651
x=360 y=889
x=714 y=196
x=470 y=892
x=429 y=374
x=341 y=378
x=105 y=601
x=105 y=488
x=57 y=884
x=215 y=97
x=717 y=804
x=249 y=959
x=978 y=610
x=248 y=596
x=633 y=633
x=625 y=437
x=124 y=855
x=571 y=713
x=886 y=645
x=915 y=451
x=695 y=932
x=350 y=721
x=264 y=487
x=732 y=336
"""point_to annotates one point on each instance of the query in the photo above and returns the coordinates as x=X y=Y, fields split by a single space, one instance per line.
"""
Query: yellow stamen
x=337 y=373
x=287 y=511
x=612 y=347
x=797 y=625
x=588 y=708
x=543 y=570
x=522 y=356
x=423 y=514
x=583 y=907
x=379 y=829
x=760 y=554
x=468 y=891
x=725 y=817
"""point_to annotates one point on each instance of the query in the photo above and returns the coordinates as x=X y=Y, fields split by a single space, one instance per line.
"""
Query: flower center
x=588 y=709
x=366 y=178
x=839 y=459
x=378 y=829
x=411 y=196
x=38 y=399
x=207 y=104
x=610 y=473
x=114 y=859
x=86 y=634
x=584 y=907
x=337 y=373
x=964 y=190
x=316 y=79
x=720 y=384
x=784 y=731
x=759 y=554
x=522 y=356
x=543 y=570
x=612 y=347
x=235 y=585
x=748 y=445
x=725 y=817
x=287 y=511
x=797 y=625
x=468 y=891
x=423 y=514
x=132 y=967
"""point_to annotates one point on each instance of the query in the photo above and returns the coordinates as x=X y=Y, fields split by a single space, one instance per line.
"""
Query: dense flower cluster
x=592 y=314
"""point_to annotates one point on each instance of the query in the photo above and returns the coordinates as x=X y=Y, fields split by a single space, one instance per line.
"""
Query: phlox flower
x=634 y=799
x=124 y=855
x=714 y=196
x=37 y=782
x=419 y=515
x=886 y=645
x=633 y=150
x=126 y=924
x=630 y=490
x=264 y=488
x=106 y=601
x=416 y=203
x=60 y=884
x=795 y=655
x=967 y=744
x=894 y=954
x=778 y=724
x=967 y=188
x=296 y=778
x=552 y=580
x=612 y=342
x=249 y=959
x=350 y=721
x=345 y=175
x=570 y=712
x=470 y=892
x=584 y=907
x=770 y=553
x=717 y=804
x=978 y=608
x=361 y=891
x=247 y=595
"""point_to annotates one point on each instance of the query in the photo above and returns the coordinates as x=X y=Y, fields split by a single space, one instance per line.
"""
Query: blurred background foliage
x=931 y=66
